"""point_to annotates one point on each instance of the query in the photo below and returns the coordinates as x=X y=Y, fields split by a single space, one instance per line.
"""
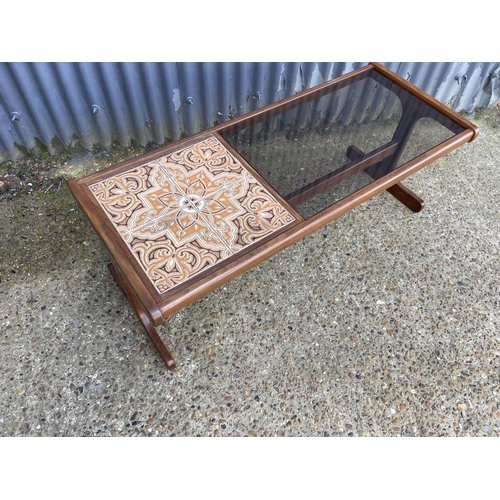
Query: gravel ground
x=383 y=323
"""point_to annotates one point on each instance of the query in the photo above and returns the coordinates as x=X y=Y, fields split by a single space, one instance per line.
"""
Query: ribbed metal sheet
x=95 y=105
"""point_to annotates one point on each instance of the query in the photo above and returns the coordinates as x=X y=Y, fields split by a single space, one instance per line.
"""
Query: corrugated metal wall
x=92 y=105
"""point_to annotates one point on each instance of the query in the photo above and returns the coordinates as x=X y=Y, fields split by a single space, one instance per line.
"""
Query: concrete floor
x=384 y=323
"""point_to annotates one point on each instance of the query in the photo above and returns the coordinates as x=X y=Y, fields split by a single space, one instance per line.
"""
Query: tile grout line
x=248 y=175
x=184 y=194
x=158 y=218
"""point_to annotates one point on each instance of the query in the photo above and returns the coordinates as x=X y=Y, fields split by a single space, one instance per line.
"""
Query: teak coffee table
x=184 y=219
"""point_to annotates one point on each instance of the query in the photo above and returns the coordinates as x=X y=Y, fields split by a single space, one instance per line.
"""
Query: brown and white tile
x=188 y=211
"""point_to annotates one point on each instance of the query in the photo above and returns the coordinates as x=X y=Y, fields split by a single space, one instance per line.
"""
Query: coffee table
x=188 y=217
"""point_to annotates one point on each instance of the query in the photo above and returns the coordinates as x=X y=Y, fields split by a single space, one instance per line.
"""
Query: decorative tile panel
x=189 y=210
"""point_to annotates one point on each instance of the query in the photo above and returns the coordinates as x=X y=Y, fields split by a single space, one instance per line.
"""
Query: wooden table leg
x=407 y=197
x=143 y=318
x=399 y=191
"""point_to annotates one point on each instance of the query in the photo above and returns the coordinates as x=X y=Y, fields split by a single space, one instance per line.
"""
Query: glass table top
x=308 y=144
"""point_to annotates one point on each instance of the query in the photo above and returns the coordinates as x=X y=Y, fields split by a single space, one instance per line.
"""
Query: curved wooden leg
x=143 y=318
x=407 y=197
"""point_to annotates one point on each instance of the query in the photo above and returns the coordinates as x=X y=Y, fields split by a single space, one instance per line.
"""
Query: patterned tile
x=189 y=210
x=259 y=215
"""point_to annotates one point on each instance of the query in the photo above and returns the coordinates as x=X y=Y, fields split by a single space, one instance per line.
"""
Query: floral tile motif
x=258 y=218
x=189 y=210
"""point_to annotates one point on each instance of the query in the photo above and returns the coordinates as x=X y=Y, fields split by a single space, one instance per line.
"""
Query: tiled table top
x=188 y=211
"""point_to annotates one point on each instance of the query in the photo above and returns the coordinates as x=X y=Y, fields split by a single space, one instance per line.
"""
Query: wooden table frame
x=153 y=308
